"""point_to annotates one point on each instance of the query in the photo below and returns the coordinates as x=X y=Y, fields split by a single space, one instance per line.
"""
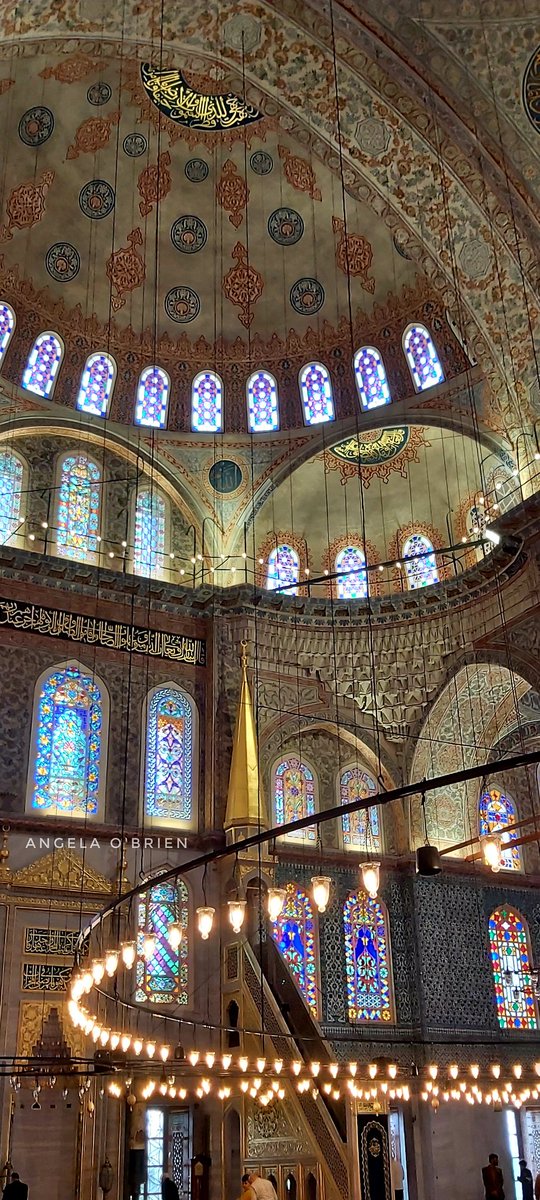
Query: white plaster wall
x=462 y=1138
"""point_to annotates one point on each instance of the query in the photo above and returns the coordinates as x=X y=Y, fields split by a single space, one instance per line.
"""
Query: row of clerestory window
x=417 y=552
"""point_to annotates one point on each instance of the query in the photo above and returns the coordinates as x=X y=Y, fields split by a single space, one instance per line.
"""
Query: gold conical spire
x=245 y=800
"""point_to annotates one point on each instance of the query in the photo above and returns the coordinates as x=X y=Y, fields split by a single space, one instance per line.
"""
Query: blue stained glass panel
x=165 y=976
x=316 y=390
x=352 y=585
x=149 y=537
x=294 y=796
x=360 y=829
x=169 y=756
x=207 y=403
x=11 y=482
x=96 y=385
x=371 y=378
x=263 y=412
x=420 y=562
x=294 y=935
x=283 y=570
x=496 y=812
x=367 y=963
x=512 y=970
x=7 y=325
x=42 y=366
x=152 y=398
x=78 y=508
x=68 y=745
x=422 y=357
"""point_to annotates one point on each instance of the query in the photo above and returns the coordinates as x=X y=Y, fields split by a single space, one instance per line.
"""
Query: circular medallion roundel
x=196 y=170
x=36 y=125
x=182 y=304
x=189 y=234
x=99 y=93
x=307 y=296
x=62 y=262
x=261 y=162
x=225 y=476
x=134 y=145
x=285 y=226
x=531 y=89
x=96 y=199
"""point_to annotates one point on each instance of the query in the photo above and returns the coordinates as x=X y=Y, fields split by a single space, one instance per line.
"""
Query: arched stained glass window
x=367 y=959
x=497 y=811
x=68 y=730
x=263 y=411
x=360 y=829
x=78 y=508
x=316 y=390
x=40 y=373
x=283 y=570
x=422 y=357
x=294 y=796
x=11 y=489
x=371 y=378
x=96 y=385
x=207 y=403
x=149 y=535
x=7 y=325
x=420 y=561
x=351 y=564
x=294 y=935
x=512 y=969
x=164 y=977
x=168 y=784
x=152 y=398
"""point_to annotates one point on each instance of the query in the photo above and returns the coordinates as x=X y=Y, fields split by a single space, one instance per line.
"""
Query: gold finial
x=245 y=800
x=244 y=657
x=6 y=874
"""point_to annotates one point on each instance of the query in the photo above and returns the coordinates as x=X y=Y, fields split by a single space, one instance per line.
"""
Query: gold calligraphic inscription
x=45 y=977
x=373 y=447
x=174 y=97
x=61 y=942
x=113 y=635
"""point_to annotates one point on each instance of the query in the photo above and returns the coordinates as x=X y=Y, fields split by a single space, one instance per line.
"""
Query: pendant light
x=237 y=913
x=370 y=878
x=205 y=921
x=321 y=885
x=149 y=946
x=128 y=951
x=174 y=935
x=111 y=962
x=98 y=970
x=275 y=901
x=492 y=851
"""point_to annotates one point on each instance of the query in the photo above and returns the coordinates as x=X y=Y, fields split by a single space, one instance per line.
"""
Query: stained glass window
x=294 y=935
x=283 y=570
x=263 y=412
x=78 y=508
x=371 y=378
x=420 y=562
x=96 y=385
x=169 y=756
x=66 y=761
x=7 y=325
x=351 y=564
x=207 y=403
x=42 y=367
x=149 y=534
x=422 y=357
x=367 y=959
x=512 y=970
x=152 y=398
x=316 y=389
x=294 y=796
x=165 y=976
x=360 y=829
x=11 y=487
x=496 y=811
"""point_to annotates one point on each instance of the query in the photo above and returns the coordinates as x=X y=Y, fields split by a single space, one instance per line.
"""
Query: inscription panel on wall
x=50 y=941
x=45 y=977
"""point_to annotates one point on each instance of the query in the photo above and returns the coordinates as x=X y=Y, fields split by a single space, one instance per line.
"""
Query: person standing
x=16 y=1189
x=262 y=1189
x=169 y=1190
x=493 y=1179
x=396 y=1177
x=525 y=1179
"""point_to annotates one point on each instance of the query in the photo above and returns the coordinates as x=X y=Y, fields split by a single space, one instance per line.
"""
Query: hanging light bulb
x=205 y=921
x=370 y=878
x=174 y=935
x=237 y=913
x=125 y=1042
x=129 y=950
x=275 y=901
x=98 y=970
x=149 y=946
x=193 y=1057
x=321 y=891
x=115 y=1039
x=491 y=849
x=137 y=1046
x=164 y=1052
x=111 y=962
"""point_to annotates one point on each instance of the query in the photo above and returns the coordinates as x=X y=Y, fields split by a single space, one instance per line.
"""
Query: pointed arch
x=69 y=743
x=295 y=792
x=207 y=403
x=361 y=830
x=497 y=810
x=153 y=391
x=13 y=476
x=79 y=508
x=40 y=373
x=316 y=393
x=165 y=977
x=511 y=963
x=7 y=327
x=262 y=402
x=170 y=780
x=150 y=526
x=97 y=384
x=350 y=566
x=370 y=375
x=420 y=562
x=422 y=357
x=295 y=935
x=367 y=960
